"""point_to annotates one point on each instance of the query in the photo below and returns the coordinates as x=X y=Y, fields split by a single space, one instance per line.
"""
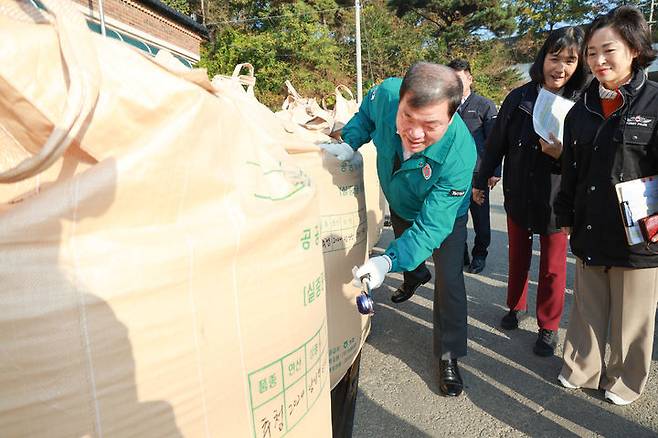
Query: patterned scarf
x=604 y=93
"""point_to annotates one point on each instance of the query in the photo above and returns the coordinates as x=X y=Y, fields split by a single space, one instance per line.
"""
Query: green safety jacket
x=430 y=189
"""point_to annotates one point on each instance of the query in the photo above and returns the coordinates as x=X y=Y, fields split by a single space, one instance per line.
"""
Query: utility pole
x=359 y=79
x=101 y=14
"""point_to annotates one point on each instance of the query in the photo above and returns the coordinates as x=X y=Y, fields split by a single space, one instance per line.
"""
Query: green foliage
x=182 y=6
x=295 y=46
x=536 y=16
x=491 y=77
x=390 y=44
x=451 y=29
x=312 y=42
x=460 y=22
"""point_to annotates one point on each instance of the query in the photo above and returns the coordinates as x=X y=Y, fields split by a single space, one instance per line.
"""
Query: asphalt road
x=509 y=391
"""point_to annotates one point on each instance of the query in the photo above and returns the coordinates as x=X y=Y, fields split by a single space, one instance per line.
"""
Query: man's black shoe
x=406 y=291
x=450 y=382
x=546 y=343
x=477 y=265
x=510 y=321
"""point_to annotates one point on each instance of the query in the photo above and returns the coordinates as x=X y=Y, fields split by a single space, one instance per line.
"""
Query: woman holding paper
x=610 y=137
x=531 y=178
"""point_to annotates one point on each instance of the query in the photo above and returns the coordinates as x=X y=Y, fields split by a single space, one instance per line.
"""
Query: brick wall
x=146 y=20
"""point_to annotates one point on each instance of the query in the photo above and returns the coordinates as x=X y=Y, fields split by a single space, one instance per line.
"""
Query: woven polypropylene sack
x=344 y=237
x=344 y=109
x=156 y=278
x=343 y=231
x=305 y=112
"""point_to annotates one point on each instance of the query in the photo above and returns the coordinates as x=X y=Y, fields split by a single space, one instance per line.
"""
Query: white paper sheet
x=549 y=113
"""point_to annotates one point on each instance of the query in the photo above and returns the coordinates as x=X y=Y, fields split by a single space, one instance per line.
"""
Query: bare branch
x=426 y=17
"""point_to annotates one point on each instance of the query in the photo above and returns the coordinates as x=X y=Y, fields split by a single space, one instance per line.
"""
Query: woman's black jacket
x=598 y=154
x=531 y=178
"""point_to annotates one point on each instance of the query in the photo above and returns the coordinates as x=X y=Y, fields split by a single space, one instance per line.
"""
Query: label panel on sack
x=343 y=354
x=343 y=231
x=283 y=392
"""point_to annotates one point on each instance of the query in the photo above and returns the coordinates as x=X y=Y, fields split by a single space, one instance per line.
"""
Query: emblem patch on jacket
x=638 y=120
x=456 y=193
x=427 y=171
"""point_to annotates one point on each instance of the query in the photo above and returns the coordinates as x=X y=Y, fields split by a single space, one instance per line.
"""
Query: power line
x=266 y=17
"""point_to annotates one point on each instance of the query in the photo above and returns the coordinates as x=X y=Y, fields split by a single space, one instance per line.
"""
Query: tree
x=312 y=42
x=182 y=6
x=389 y=44
x=537 y=16
x=491 y=68
x=491 y=62
x=459 y=22
x=283 y=40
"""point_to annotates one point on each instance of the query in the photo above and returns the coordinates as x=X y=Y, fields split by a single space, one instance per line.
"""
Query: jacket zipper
x=617 y=112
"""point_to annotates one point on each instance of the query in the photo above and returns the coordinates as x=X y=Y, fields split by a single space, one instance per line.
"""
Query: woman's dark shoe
x=546 y=343
x=450 y=381
x=406 y=291
x=510 y=321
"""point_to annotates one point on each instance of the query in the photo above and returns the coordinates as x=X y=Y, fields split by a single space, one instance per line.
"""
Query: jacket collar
x=466 y=103
x=592 y=100
x=529 y=97
x=638 y=80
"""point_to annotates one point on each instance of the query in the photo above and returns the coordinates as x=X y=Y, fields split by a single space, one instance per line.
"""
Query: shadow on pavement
x=375 y=421
x=502 y=376
x=506 y=367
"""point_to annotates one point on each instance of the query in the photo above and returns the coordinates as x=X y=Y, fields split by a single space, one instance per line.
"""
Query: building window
x=145 y=47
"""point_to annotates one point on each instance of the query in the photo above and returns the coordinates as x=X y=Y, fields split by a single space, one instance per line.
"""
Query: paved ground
x=508 y=390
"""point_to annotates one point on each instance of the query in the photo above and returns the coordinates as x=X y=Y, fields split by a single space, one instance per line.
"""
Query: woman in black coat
x=531 y=178
x=610 y=137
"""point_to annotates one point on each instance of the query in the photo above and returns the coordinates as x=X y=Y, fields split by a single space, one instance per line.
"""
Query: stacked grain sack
x=161 y=270
x=344 y=109
x=343 y=230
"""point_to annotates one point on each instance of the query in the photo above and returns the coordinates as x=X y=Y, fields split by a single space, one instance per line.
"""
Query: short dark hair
x=460 y=65
x=630 y=24
x=428 y=83
x=559 y=39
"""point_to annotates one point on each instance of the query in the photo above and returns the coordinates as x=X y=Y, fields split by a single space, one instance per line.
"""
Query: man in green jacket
x=425 y=161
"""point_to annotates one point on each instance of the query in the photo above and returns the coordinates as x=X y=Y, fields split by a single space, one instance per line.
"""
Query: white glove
x=376 y=268
x=342 y=151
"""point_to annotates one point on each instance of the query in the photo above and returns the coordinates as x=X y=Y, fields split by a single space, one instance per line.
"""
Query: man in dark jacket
x=479 y=114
